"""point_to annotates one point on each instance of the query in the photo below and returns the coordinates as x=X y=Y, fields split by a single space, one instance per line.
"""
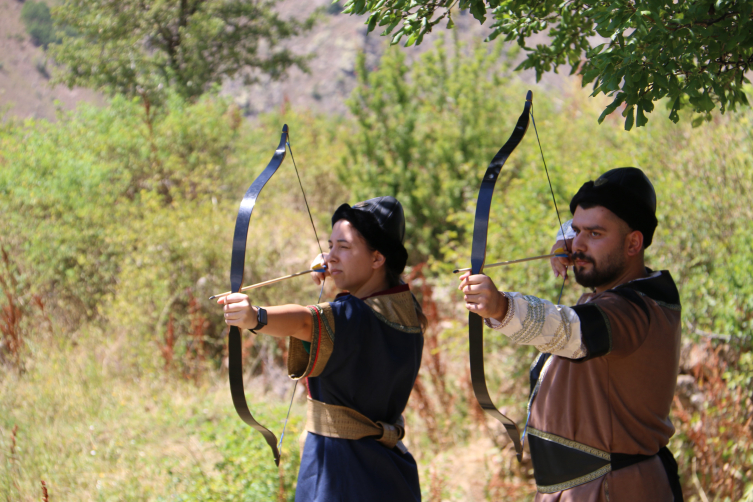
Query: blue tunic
x=365 y=355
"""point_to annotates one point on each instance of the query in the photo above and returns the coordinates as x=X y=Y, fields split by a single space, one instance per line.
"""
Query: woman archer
x=360 y=353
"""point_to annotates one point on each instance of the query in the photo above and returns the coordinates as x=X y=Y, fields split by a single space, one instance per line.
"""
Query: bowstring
x=321 y=291
x=554 y=199
x=308 y=210
x=562 y=229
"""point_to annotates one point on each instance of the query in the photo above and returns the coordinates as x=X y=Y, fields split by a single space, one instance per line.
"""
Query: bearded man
x=602 y=387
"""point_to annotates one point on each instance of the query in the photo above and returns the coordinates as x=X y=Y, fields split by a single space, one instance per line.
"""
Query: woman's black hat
x=381 y=222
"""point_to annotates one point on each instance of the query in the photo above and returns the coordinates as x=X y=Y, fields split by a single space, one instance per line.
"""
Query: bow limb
x=478 y=256
x=235 y=358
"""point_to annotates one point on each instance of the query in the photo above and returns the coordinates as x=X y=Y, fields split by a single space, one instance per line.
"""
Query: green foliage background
x=140 y=49
x=119 y=223
x=696 y=53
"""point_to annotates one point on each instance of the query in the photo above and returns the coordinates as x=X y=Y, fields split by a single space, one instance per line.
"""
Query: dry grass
x=93 y=433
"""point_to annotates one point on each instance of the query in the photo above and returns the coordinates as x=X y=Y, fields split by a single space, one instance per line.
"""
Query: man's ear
x=378 y=260
x=634 y=243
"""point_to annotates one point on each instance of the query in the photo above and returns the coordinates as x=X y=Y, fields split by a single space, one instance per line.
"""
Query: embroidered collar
x=395 y=307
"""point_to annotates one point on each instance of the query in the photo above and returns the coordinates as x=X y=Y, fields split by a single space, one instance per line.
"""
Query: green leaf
x=478 y=10
x=642 y=119
x=398 y=35
x=673 y=115
x=617 y=101
x=629 y=118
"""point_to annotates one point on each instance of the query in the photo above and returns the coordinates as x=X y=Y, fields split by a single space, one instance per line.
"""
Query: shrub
x=38 y=20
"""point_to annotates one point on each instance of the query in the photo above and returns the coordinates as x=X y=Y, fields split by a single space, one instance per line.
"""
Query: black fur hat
x=628 y=193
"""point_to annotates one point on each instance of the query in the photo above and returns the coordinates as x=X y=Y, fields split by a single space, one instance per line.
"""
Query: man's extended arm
x=550 y=328
x=524 y=319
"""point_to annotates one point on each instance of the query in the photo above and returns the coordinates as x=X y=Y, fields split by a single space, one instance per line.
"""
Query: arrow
x=559 y=253
x=271 y=281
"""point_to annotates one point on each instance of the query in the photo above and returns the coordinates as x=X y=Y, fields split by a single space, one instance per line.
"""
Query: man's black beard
x=599 y=275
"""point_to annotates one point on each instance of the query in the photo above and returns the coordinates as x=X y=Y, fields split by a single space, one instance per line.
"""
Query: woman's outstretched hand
x=238 y=311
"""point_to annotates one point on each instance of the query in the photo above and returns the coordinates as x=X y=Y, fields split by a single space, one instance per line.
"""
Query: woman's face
x=351 y=263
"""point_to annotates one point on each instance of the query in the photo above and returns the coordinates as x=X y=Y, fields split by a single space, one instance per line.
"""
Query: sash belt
x=560 y=464
x=334 y=421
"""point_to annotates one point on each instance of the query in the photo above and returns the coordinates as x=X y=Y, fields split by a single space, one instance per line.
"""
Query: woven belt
x=345 y=423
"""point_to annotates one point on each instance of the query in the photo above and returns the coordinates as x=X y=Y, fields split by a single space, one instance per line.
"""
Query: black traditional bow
x=235 y=360
x=478 y=256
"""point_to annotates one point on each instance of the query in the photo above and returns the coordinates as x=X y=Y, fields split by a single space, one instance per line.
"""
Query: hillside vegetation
x=116 y=226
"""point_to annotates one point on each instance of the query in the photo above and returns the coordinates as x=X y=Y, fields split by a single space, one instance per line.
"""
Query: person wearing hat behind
x=360 y=354
x=603 y=384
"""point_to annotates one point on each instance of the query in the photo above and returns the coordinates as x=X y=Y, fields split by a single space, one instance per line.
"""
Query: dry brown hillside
x=24 y=80
x=334 y=42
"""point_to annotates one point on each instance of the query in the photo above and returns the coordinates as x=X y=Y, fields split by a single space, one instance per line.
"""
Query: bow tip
x=285 y=126
x=529 y=96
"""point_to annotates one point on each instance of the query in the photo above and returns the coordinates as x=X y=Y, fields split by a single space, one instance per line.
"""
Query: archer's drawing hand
x=559 y=265
x=238 y=311
x=319 y=261
x=481 y=296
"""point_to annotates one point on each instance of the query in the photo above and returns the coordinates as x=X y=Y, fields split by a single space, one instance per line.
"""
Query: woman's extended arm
x=283 y=320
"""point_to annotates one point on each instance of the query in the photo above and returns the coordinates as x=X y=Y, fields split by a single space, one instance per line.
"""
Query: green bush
x=423 y=130
x=107 y=207
x=245 y=470
x=38 y=21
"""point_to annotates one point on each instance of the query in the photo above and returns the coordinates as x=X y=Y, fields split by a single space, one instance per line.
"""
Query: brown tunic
x=618 y=398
